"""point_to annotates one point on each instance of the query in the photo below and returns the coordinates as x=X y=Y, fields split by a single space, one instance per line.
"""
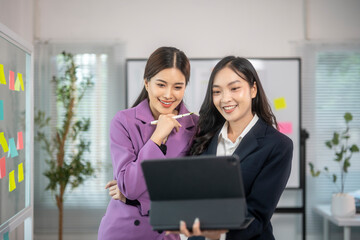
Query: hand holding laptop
x=209 y=234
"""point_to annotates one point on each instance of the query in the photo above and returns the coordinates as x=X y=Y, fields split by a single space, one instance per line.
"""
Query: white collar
x=224 y=131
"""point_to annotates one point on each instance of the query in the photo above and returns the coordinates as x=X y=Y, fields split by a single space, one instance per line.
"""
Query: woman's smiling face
x=166 y=90
x=232 y=95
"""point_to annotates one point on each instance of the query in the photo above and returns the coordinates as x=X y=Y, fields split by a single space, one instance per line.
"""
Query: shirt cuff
x=163 y=148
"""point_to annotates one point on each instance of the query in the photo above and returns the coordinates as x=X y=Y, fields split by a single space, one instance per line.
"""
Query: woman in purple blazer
x=134 y=140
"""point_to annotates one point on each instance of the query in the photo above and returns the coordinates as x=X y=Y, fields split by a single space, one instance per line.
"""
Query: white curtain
x=104 y=63
x=330 y=87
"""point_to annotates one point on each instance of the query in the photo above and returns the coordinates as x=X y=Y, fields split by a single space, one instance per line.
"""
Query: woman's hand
x=166 y=123
x=211 y=234
x=114 y=191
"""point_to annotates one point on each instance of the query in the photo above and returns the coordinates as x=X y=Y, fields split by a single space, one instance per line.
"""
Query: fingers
x=184 y=230
x=110 y=183
x=196 y=228
x=165 y=125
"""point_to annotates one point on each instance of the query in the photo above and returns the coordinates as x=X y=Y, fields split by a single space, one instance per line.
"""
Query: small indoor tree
x=65 y=167
x=343 y=151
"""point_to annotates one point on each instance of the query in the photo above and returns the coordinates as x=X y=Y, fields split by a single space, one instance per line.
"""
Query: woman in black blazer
x=236 y=118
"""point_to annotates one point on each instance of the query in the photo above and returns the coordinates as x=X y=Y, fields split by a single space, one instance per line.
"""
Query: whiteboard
x=16 y=134
x=280 y=78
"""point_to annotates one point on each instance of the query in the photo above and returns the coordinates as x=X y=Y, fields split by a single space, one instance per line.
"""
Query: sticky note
x=2 y=75
x=3 y=142
x=1 y=109
x=19 y=83
x=6 y=236
x=12 y=184
x=11 y=80
x=285 y=127
x=19 y=144
x=280 y=103
x=20 y=172
x=13 y=152
x=2 y=167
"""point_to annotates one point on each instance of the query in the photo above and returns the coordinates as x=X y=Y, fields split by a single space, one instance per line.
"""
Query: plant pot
x=343 y=205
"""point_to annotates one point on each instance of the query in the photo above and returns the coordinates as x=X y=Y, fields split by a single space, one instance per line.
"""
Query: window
x=85 y=205
x=331 y=87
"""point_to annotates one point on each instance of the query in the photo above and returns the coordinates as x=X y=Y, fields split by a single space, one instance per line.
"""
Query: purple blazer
x=130 y=145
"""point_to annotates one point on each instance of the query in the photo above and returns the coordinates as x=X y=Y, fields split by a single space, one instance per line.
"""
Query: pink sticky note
x=11 y=80
x=285 y=127
x=19 y=144
x=2 y=167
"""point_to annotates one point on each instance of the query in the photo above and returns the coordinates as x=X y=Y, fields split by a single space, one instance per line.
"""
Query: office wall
x=202 y=28
x=18 y=16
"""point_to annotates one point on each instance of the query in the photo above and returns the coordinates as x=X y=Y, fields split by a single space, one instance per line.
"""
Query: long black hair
x=210 y=120
x=163 y=58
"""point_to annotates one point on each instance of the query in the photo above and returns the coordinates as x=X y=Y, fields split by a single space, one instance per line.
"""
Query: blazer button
x=136 y=222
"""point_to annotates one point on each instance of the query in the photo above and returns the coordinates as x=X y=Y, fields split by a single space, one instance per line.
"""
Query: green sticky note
x=1 y=109
x=19 y=83
x=13 y=152
x=6 y=236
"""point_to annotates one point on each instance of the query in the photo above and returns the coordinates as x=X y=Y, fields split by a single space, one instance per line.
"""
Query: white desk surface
x=325 y=211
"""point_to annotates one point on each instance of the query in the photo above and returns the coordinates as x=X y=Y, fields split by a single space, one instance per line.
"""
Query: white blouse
x=225 y=146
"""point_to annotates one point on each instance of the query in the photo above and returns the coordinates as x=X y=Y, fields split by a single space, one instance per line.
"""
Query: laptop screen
x=193 y=177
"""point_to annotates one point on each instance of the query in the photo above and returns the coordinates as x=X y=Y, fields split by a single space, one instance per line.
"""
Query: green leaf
x=334 y=178
x=354 y=148
x=346 y=164
x=339 y=156
x=335 y=140
x=312 y=171
x=328 y=144
x=348 y=117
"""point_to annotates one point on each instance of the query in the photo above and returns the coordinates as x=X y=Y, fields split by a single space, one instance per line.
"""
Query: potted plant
x=342 y=204
x=65 y=168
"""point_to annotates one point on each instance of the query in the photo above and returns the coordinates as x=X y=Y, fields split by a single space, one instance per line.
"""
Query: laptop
x=206 y=187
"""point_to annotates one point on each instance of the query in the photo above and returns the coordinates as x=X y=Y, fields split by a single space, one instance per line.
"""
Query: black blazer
x=265 y=155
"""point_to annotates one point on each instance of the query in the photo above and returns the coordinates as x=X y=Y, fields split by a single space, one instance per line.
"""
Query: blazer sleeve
x=126 y=162
x=267 y=189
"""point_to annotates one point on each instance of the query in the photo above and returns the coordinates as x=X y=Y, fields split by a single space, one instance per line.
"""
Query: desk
x=346 y=223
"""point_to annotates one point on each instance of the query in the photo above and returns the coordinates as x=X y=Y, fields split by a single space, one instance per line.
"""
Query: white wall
x=202 y=28
x=18 y=15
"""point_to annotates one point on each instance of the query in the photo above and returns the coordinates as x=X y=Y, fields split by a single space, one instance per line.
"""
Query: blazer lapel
x=250 y=142
x=144 y=115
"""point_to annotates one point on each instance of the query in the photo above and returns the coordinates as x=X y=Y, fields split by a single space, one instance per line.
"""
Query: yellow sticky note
x=3 y=142
x=12 y=185
x=19 y=83
x=20 y=172
x=2 y=75
x=280 y=103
